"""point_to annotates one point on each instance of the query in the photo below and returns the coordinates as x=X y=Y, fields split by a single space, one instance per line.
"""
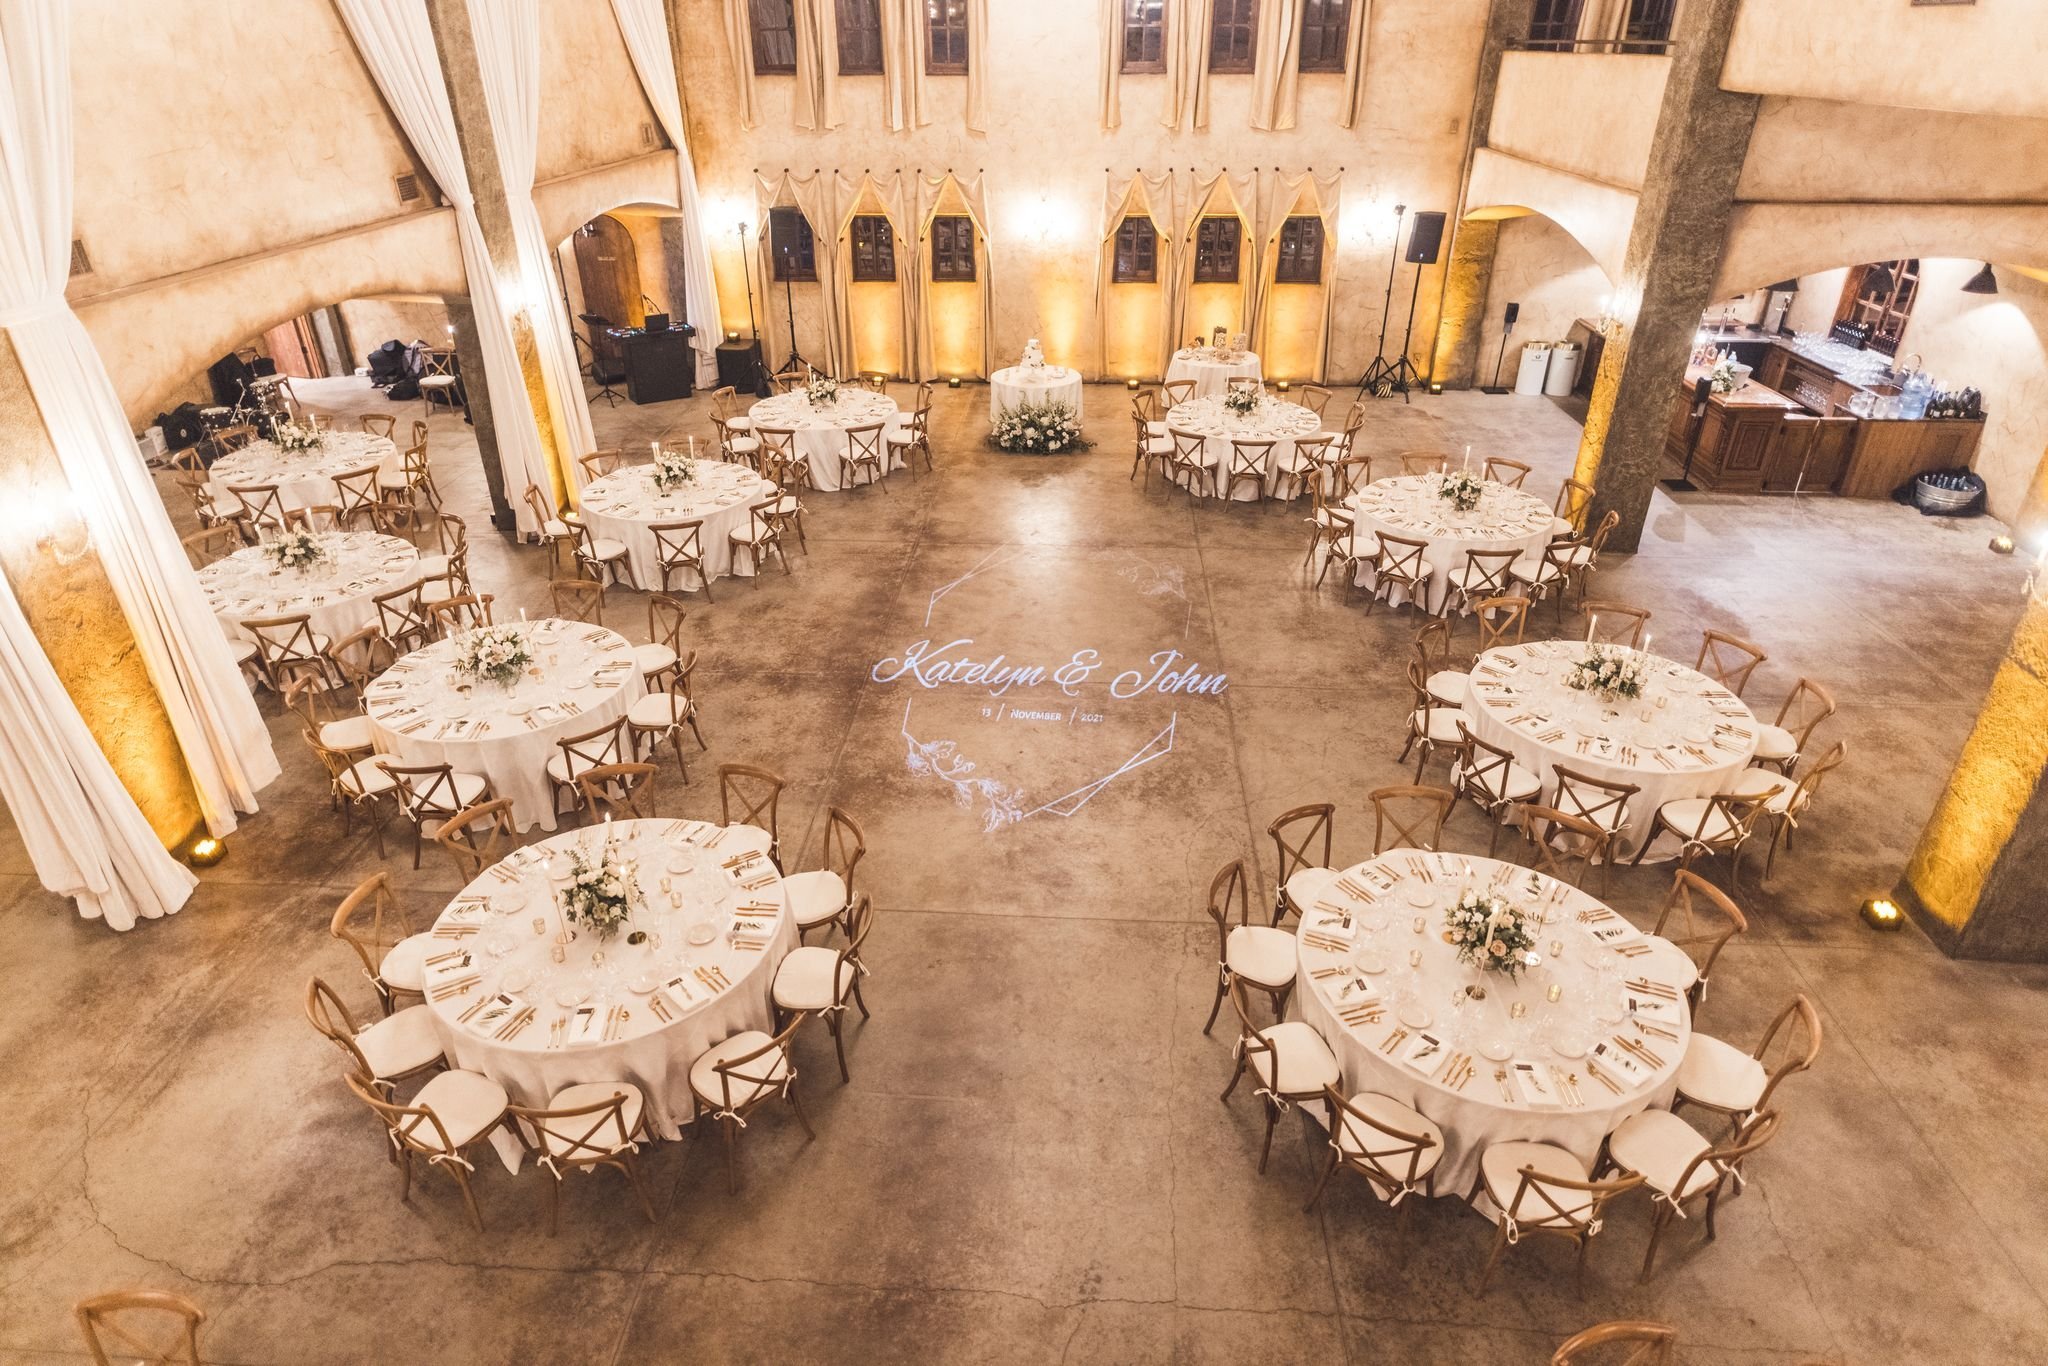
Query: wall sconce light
x=2001 y=545
x=206 y=851
x=1883 y=913
x=953 y=382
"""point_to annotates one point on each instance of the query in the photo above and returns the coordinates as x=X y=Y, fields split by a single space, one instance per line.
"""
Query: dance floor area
x=1058 y=699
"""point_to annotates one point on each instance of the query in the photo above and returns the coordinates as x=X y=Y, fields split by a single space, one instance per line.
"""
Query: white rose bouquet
x=1244 y=399
x=497 y=653
x=295 y=439
x=299 y=550
x=672 y=469
x=600 y=895
x=1608 y=674
x=1725 y=376
x=1037 y=429
x=822 y=391
x=1462 y=490
x=1488 y=933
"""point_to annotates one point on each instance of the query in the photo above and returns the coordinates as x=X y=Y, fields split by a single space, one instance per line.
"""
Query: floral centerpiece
x=1462 y=490
x=822 y=391
x=297 y=439
x=600 y=895
x=1037 y=429
x=496 y=653
x=1489 y=933
x=299 y=550
x=1244 y=399
x=1727 y=374
x=673 y=469
x=1608 y=674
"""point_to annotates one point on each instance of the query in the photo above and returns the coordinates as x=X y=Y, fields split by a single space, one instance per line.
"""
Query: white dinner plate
x=517 y=979
x=571 y=994
x=1567 y=1044
x=1415 y=1016
x=645 y=983
x=1370 y=963
x=1421 y=896
x=509 y=901
x=1496 y=1050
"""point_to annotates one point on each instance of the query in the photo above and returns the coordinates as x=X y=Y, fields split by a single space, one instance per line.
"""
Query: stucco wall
x=591 y=109
x=1593 y=114
x=1597 y=216
x=1539 y=266
x=372 y=322
x=1825 y=150
x=1045 y=155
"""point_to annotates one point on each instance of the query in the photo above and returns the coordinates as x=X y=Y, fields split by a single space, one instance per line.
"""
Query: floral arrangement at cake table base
x=1037 y=429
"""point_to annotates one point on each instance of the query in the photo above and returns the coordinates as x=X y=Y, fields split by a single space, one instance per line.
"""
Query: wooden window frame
x=1144 y=21
x=1306 y=245
x=1554 y=25
x=1886 y=316
x=792 y=247
x=1135 y=259
x=953 y=27
x=1228 y=21
x=1330 y=20
x=763 y=66
x=950 y=265
x=1212 y=233
x=874 y=249
x=1647 y=26
x=853 y=17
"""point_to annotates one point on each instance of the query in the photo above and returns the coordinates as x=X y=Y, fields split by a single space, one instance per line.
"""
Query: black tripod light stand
x=1380 y=375
x=796 y=357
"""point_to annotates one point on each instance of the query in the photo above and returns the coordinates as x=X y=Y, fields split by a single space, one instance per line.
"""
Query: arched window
x=1137 y=252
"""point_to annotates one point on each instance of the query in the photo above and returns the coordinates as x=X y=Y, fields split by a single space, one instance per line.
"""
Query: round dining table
x=1484 y=1056
x=538 y=1003
x=337 y=592
x=422 y=711
x=821 y=429
x=1212 y=370
x=625 y=506
x=1275 y=420
x=305 y=479
x=1020 y=384
x=1686 y=736
x=1410 y=506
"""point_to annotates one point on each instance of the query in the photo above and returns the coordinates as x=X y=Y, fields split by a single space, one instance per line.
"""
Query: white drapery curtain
x=1238 y=191
x=903 y=63
x=739 y=40
x=894 y=194
x=817 y=64
x=1191 y=25
x=1125 y=196
x=644 y=25
x=814 y=197
x=226 y=746
x=1354 y=62
x=1276 y=66
x=977 y=66
x=1177 y=37
x=397 y=45
x=932 y=198
x=508 y=58
x=1109 y=86
x=1284 y=193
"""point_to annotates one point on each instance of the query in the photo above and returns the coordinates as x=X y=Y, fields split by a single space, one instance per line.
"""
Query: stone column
x=1674 y=252
x=456 y=44
x=1975 y=881
x=69 y=601
x=469 y=359
x=1461 y=304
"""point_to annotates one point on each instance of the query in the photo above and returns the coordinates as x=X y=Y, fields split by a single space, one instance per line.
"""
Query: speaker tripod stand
x=1384 y=378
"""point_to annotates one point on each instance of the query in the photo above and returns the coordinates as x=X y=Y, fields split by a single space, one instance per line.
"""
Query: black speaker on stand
x=1702 y=392
x=1384 y=379
x=1496 y=388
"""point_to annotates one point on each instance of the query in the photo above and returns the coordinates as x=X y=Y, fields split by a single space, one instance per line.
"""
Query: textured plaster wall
x=1541 y=267
x=591 y=110
x=1818 y=150
x=1599 y=217
x=1592 y=114
x=1044 y=158
x=372 y=322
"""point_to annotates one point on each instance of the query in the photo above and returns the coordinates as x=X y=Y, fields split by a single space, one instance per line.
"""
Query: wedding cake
x=1034 y=356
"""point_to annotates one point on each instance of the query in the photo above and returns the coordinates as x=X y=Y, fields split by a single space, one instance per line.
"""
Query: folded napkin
x=1332 y=925
x=677 y=989
x=461 y=965
x=585 y=1024
x=751 y=932
x=1426 y=1054
x=1615 y=1059
x=1614 y=932
x=496 y=1014
x=1354 y=989
x=1529 y=1080
x=1660 y=1008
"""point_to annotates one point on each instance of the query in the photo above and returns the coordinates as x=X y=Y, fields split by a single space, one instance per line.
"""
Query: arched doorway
x=608 y=264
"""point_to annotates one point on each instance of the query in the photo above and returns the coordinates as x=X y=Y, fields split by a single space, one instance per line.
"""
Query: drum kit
x=263 y=405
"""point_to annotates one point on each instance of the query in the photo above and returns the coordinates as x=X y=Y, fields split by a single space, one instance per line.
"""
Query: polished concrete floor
x=1030 y=1163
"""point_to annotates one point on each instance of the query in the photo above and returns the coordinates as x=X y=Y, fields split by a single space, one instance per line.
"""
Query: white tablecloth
x=625 y=504
x=1276 y=421
x=588 y=678
x=653 y=1054
x=1692 y=745
x=1383 y=898
x=1210 y=370
x=336 y=592
x=1409 y=505
x=302 y=480
x=821 y=432
x=1020 y=384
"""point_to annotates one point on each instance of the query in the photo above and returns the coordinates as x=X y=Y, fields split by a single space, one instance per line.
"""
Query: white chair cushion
x=750 y=534
x=785 y=505
x=1306 y=1064
x=366 y=779
x=404 y=965
x=741 y=445
x=1260 y=953
x=1307 y=884
x=391 y=479
x=1440 y=724
x=653 y=658
x=1450 y=686
x=400 y=1042
x=1685 y=815
x=1537 y=570
x=1159 y=445
x=436 y=590
x=1579 y=555
x=1520 y=783
x=1657 y=1145
x=604 y=548
x=561 y=772
x=554 y=527
x=244 y=649
x=1469 y=573
x=469 y=790
x=807 y=980
x=740 y=424
x=350 y=732
x=436 y=381
x=653 y=710
x=1775 y=742
x=1155 y=429
x=815 y=897
x=1392 y=1114
x=466 y=1103
x=607 y=1131
x=1720 y=1074
x=1501 y=1166
x=706 y=1082
x=1772 y=788
x=900 y=436
x=433 y=566
x=1560 y=526
x=1667 y=963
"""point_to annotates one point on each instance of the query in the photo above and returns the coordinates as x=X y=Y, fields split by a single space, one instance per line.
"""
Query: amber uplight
x=206 y=851
x=1882 y=913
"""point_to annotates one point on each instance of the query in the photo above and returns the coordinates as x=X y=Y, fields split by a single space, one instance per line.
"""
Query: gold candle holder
x=1518 y=1010
x=1554 y=994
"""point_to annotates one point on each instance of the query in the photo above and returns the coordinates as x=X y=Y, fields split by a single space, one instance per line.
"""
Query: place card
x=1342 y=926
x=1529 y=1080
x=1620 y=1062
x=1426 y=1054
x=497 y=1012
x=677 y=989
x=1662 y=1008
x=584 y=1024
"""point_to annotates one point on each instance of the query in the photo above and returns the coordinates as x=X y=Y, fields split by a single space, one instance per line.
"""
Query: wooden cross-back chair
x=1491 y=780
x=1701 y=1179
x=372 y=922
x=1248 y=463
x=744 y=1076
x=865 y=450
x=478 y=836
x=1434 y=727
x=1537 y=1197
x=1401 y=562
x=1302 y=837
x=622 y=791
x=1394 y=1147
x=1485 y=574
x=146 y=1327
x=1805 y=707
x=596 y=1124
x=755 y=794
x=1561 y=845
x=821 y=896
x=550 y=527
x=433 y=793
x=401 y=1053
x=1190 y=462
x=378 y=424
x=1602 y=801
x=801 y=987
x=211 y=543
x=1573 y=498
x=1261 y=955
x=262 y=504
x=402 y=618
x=577 y=600
x=1699 y=918
x=598 y=747
x=1502 y=621
x=599 y=463
x=355 y=491
x=1648 y=1344
x=287 y=647
x=314 y=519
x=418 y=1128
x=662 y=714
x=1616 y=623
x=1795 y=1037
x=1424 y=462
x=1289 y=1062
x=1505 y=472
x=1728 y=659
x=1413 y=814
x=464 y=612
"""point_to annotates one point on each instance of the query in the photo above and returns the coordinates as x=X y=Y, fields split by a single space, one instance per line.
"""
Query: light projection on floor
x=1047 y=672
